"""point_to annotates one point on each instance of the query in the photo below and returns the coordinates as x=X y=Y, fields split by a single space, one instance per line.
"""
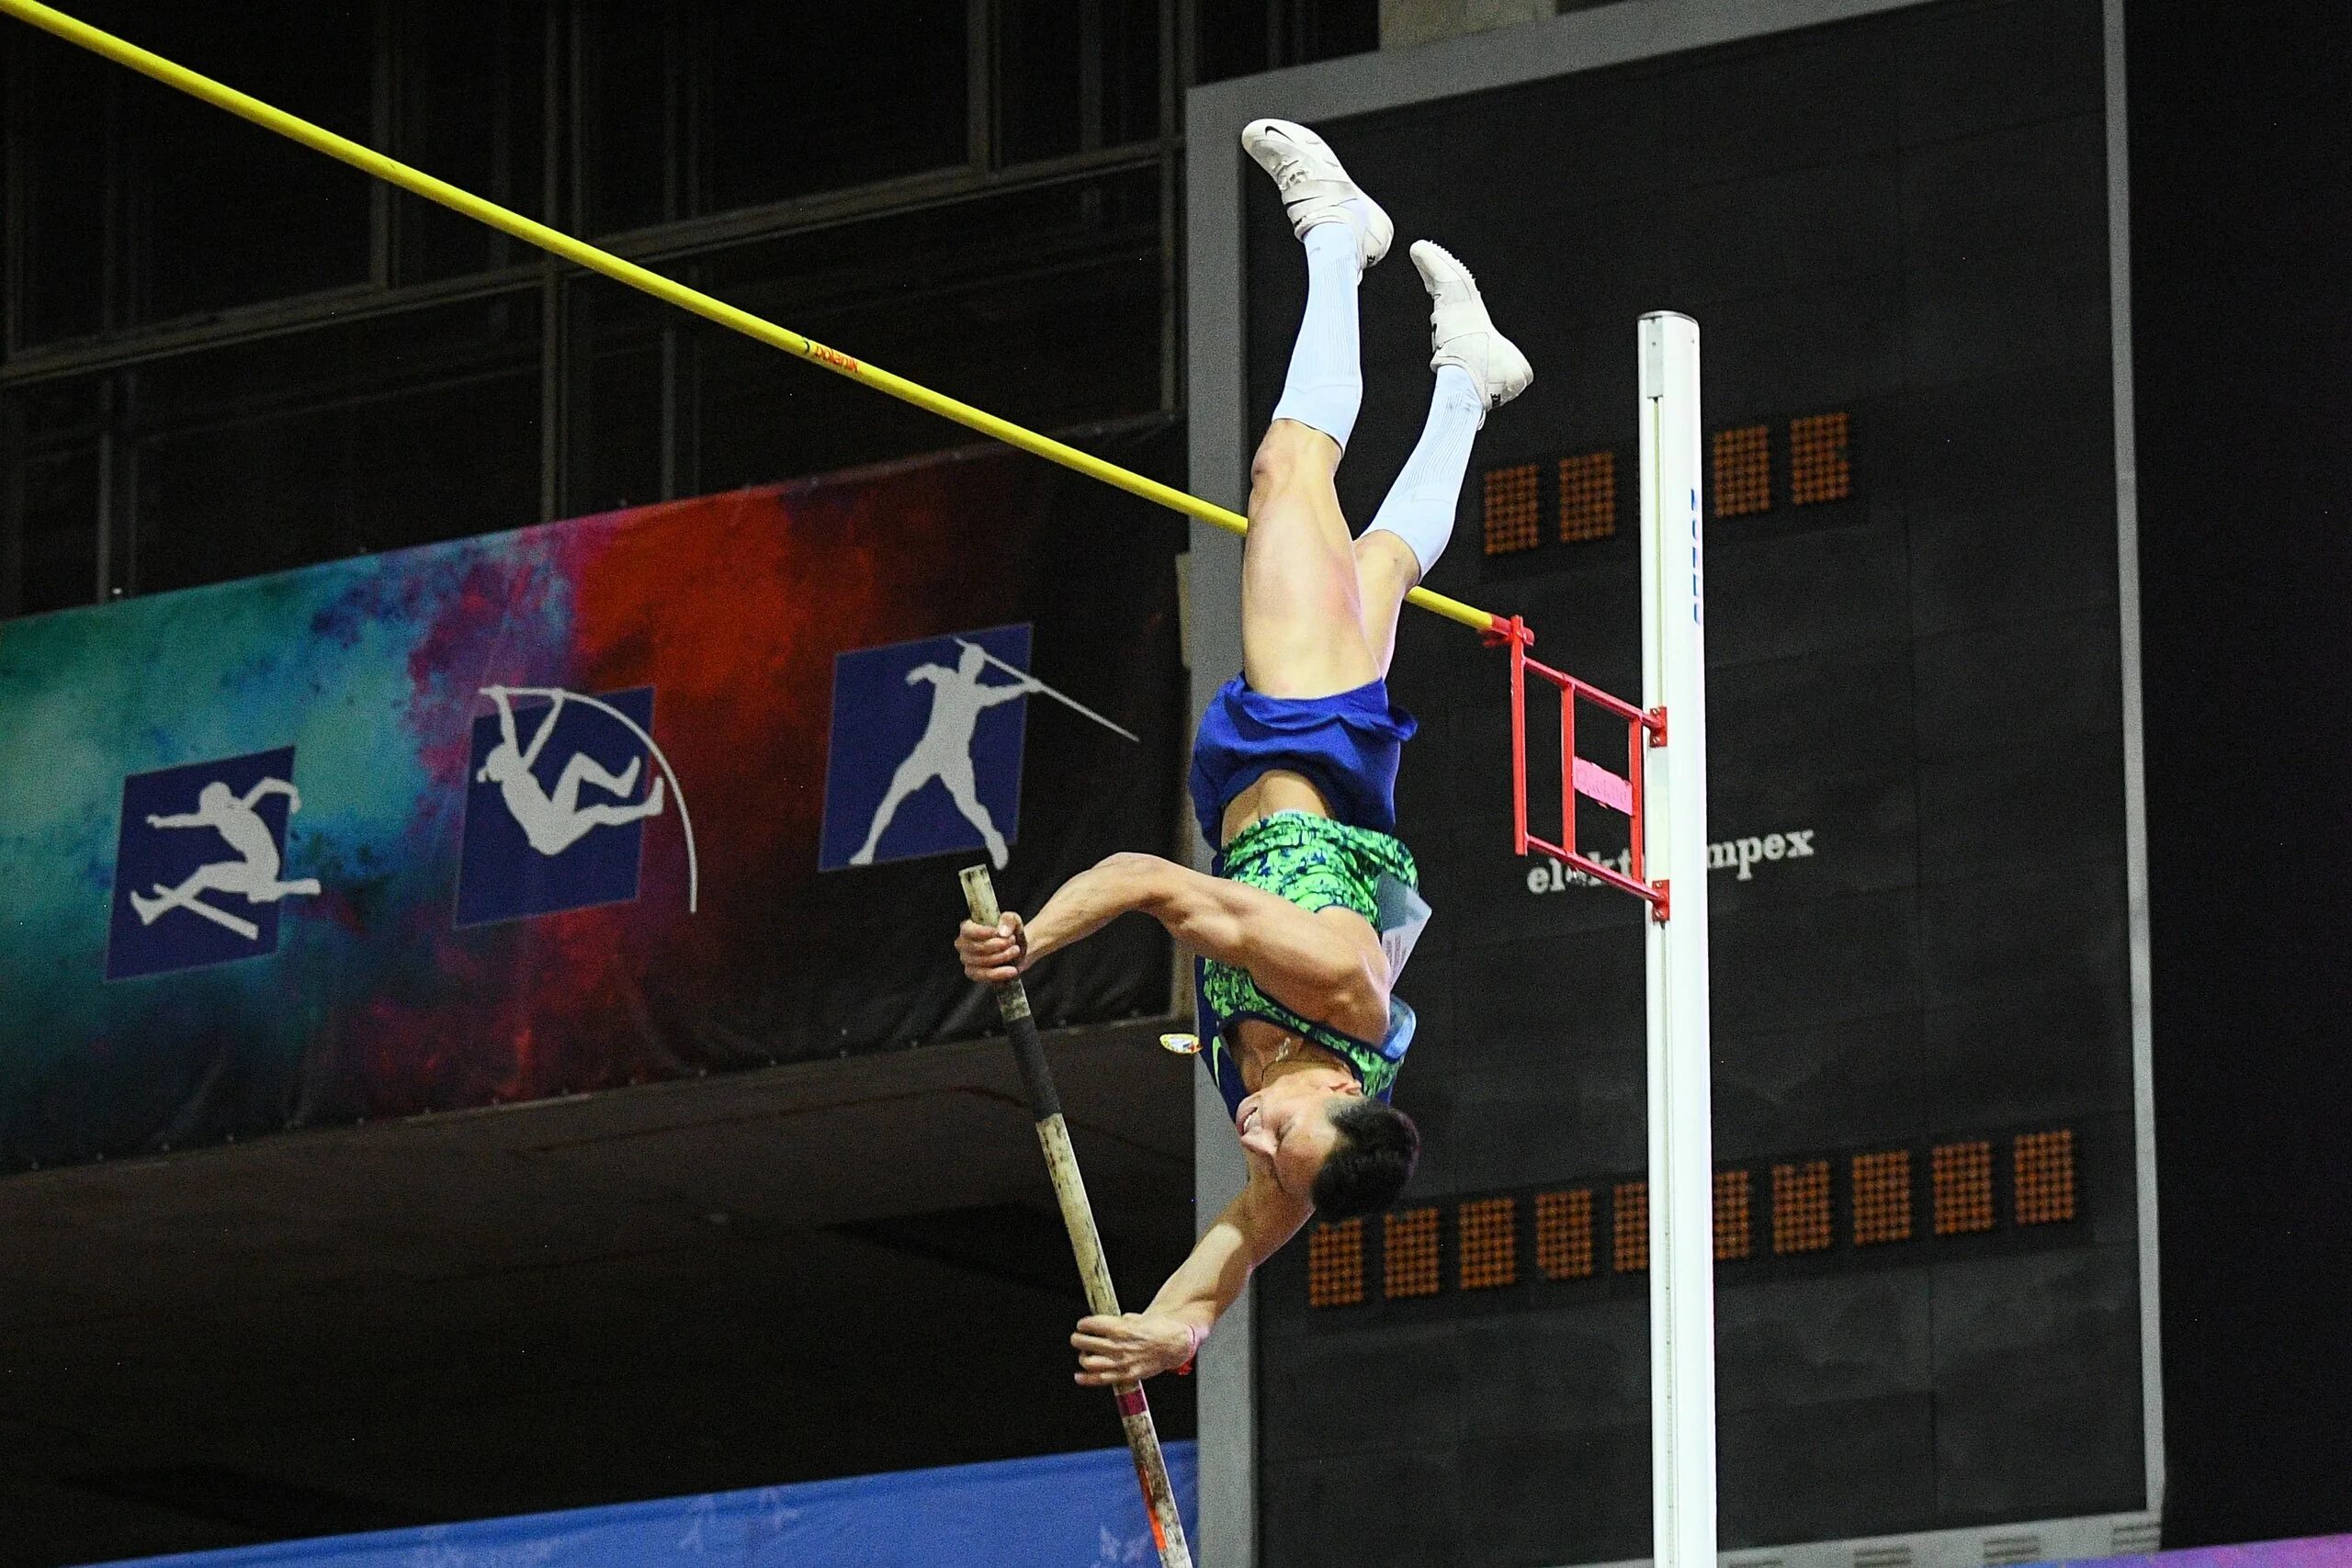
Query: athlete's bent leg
x=1385 y=572
x=619 y=816
x=1301 y=619
x=964 y=790
x=910 y=776
x=1301 y=614
x=1478 y=370
x=585 y=769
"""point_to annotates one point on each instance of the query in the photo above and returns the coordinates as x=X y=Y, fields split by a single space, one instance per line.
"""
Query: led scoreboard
x=1895 y=227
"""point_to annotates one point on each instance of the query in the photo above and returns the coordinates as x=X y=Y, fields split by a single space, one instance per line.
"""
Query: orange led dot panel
x=1882 y=1198
x=1964 y=1181
x=1335 y=1265
x=1744 y=470
x=1629 y=1228
x=1514 y=509
x=1588 y=497
x=1563 y=1233
x=1801 y=1207
x=1408 y=1254
x=2045 y=1177
x=1735 y=1235
x=1486 y=1256
x=1818 y=468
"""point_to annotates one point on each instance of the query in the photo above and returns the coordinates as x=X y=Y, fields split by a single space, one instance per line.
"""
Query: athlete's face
x=1287 y=1130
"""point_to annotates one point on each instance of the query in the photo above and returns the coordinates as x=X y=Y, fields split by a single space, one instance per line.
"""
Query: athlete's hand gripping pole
x=1069 y=1189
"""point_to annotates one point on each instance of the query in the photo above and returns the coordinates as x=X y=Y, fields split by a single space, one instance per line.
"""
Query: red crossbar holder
x=1578 y=776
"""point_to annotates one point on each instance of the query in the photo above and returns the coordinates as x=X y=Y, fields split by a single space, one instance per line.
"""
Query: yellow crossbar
x=581 y=253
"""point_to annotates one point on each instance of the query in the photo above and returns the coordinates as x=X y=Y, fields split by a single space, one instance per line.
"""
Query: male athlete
x=1293 y=775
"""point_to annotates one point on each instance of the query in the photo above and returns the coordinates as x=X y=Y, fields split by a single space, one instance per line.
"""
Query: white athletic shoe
x=1315 y=189
x=1462 y=333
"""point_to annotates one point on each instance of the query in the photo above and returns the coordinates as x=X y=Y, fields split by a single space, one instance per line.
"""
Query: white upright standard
x=1682 y=1176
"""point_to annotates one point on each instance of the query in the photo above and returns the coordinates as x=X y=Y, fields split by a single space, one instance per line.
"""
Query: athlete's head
x=215 y=797
x=975 y=658
x=1324 y=1140
x=499 y=765
x=1370 y=1163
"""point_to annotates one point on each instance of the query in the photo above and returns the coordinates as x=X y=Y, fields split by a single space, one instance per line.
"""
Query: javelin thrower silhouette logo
x=944 y=752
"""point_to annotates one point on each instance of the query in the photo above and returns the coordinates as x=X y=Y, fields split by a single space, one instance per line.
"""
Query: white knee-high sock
x=1420 y=505
x=1325 y=388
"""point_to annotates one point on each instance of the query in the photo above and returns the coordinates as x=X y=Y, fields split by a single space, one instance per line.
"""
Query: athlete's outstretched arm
x=1330 y=970
x=497 y=695
x=991 y=695
x=274 y=786
x=539 y=738
x=1138 y=1344
x=1081 y=907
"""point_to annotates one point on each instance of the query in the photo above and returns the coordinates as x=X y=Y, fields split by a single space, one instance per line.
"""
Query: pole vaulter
x=579 y=252
x=1069 y=1190
x=1309 y=912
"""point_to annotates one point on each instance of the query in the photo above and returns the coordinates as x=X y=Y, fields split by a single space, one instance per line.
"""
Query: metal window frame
x=116 y=352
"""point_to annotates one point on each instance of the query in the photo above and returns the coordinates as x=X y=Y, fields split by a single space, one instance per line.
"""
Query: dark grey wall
x=1903 y=219
x=2241 y=218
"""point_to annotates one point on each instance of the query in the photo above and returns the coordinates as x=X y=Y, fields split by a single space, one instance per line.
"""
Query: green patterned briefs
x=1314 y=862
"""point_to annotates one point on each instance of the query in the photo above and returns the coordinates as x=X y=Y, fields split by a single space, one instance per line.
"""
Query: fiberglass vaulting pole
x=1681 y=1175
x=1069 y=1190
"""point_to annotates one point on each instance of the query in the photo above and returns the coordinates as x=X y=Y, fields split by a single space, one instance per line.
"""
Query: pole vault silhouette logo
x=201 y=864
x=946 y=711
x=532 y=847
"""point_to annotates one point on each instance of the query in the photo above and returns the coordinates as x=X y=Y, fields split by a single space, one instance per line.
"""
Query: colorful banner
x=544 y=812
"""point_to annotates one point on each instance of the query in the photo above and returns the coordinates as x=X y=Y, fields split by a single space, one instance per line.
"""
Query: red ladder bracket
x=1579 y=776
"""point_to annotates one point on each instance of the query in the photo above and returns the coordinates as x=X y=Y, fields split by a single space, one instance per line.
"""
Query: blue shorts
x=1347 y=745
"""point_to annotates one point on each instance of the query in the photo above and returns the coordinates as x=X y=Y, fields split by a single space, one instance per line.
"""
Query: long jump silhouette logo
x=252 y=876
x=201 y=873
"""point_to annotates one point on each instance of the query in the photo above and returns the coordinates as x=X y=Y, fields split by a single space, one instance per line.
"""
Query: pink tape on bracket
x=1604 y=787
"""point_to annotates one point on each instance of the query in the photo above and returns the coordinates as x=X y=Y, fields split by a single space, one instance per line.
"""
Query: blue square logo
x=558 y=790
x=199 y=865
x=925 y=755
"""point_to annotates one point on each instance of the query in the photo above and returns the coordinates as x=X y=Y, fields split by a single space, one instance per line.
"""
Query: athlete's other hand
x=1131 y=1347
x=993 y=955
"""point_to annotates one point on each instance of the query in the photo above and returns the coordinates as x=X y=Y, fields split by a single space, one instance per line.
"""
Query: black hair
x=1371 y=1163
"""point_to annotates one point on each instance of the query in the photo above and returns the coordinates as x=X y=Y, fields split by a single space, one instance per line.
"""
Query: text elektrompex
x=1739 y=855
